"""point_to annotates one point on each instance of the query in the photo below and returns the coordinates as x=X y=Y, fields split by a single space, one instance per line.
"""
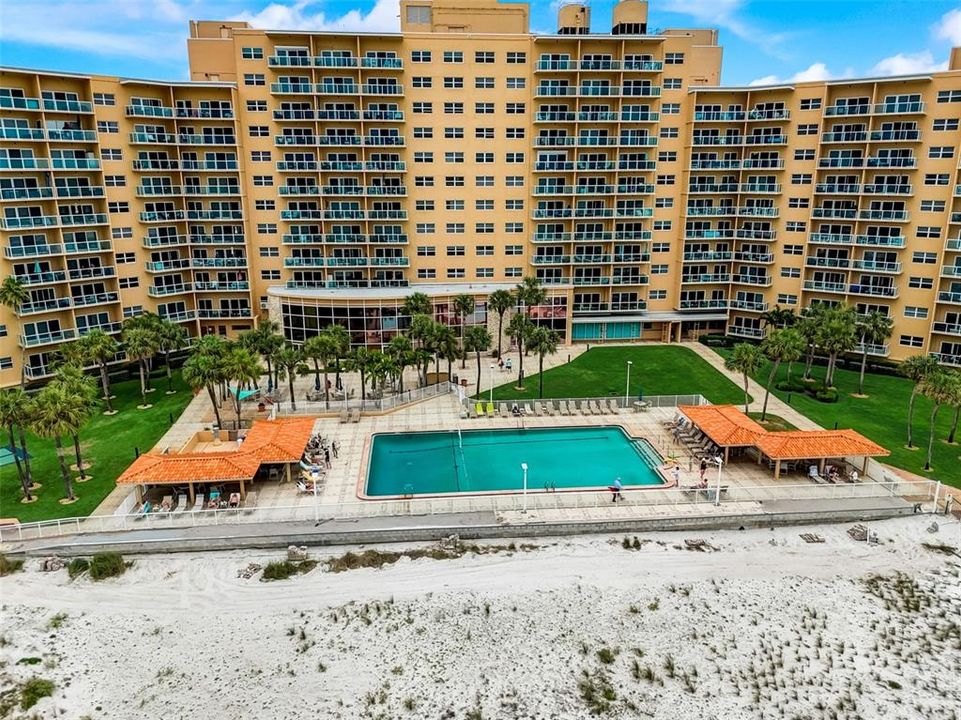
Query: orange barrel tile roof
x=278 y=441
x=802 y=444
x=159 y=469
x=724 y=424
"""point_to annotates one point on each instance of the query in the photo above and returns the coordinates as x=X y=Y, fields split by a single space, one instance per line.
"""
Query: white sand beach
x=765 y=626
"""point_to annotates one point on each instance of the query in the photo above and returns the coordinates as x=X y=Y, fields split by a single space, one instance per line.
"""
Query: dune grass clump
x=8 y=566
x=33 y=691
x=77 y=567
x=285 y=569
x=107 y=565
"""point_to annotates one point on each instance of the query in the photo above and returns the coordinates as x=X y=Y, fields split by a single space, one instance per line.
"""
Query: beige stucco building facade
x=323 y=177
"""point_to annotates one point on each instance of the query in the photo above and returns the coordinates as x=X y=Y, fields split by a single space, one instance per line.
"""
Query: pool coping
x=659 y=470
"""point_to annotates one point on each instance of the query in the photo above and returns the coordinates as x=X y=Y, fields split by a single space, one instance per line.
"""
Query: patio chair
x=355 y=416
x=471 y=412
x=181 y=503
x=166 y=504
x=344 y=416
x=815 y=476
x=529 y=409
x=550 y=409
x=198 y=503
x=612 y=404
x=594 y=407
x=503 y=410
x=479 y=409
x=562 y=408
x=490 y=409
x=582 y=408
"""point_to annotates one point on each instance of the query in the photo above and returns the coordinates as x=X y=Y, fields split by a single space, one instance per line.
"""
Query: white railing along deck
x=390 y=402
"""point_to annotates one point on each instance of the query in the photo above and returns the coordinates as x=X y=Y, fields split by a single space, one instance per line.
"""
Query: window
x=454 y=108
x=455 y=273
x=252 y=53
x=807 y=129
x=516 y=108
x=928 y=231
x=932 y=206
x=422 y=156
x=483 y=250
x=939 y=152
x=454 y=133
x=132 y=311
x=804 y=154
x=516 y=83
x=426 y=251
x=419 y=15
x=793 y=249
x=484 y=133
x=516 y=133
x=665 y=179
x=104 y=99
x=420 y=56
x=516 y=58
x=270 y=274
x=483 y=204
x=937 y=179
x=454 y=205
x=125 y=258
x=421 y=81
x=484 y=83
x=811 y=103
x=658 y=294
x=263 y=180
x=798 y=202
x=254 y=79
x=949 y=96
x=484 y=181
x=514 y=250
x=484 y=228
x=942 y=124
x=513 y=272
x=129 y=282
x=424 y=205
x=121 y=233
x=455 y=250
x=485 y=272
x=667 y=156
x=266 y=228
x=795 y=226
x=912 y=311
x=513 y=228
x=256 y=106
x=674 y=59
x=423 y=133
x=515 y=157
x=662 y=225
x=118 y=207
x=921 y=283
x=111 y=154
x=672 y=83
x=512 y=205
x=426 y=273
x=663 y=202
x=423 y=108
x=454 y=181
x=484 y=57
x=423 y=181
x=660 y=269
x=786 y=299
x=425 y=228
x=514 y=181
x=668 y=132
x=6 y=363
x=788 y=272
x=911 y=341
x=671 y=108
x=258 y=131
x=453 y=56
x=801 y=179
x=265 y=205
x=269 y=251
x=484 y=108
x=114 y=180
x=660 y=247
x=455 y=229
x=453 y=83
x=107 y=126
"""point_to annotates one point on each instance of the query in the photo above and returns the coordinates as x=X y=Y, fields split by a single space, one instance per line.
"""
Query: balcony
x=153 y=138
x=871 y=349
x=382 y=63
x=765 y=140
x=47 y=338
x=749 y=305
x=87 y=136
x=752 y=234
x=757 y=258
x=757 y=211
x=388 y=239
x=306 y=239
x=74 y=163
x=335 y=61
x=154 y=190
x=153 y=111
x=827 y=262
x=291 y=88
x=953 y=298
x=730 y=116
x=224 y=313
x=42 y=278
x=756 y=280
x=876 y=266
x=29 y=221
x=218 y=262
x=43 y=306
x=761 y=164
x=841 y=162
x=337 y=89
x=143 y=165
x=551 y=237
x=24 y=163
x=881 y=189
x=222 y=286
x=899 y=108
x=85 y=219
x=844 y=137
x=381 y=89
x=218 y=239
x=951 y=271
x=836 y=189
x=85 y=191
x=16 y=252
x=885 y=215
x=704 y=140
x=67 y=106
x=706 y=278
x=946 y=359
x=892 y=162
x=206 y=139
x=947 y=328
x=759 y=188
x=104 y=298
x=835 y=213
x=389 y=262
x=596 y=165
x=203 y=165
x=167 y=290
x=205 y=113
x=555 y=166
x=384 y=115
x=874 y=290
x=26 y=193
x=825 y=287
x=87 y=273
x=745 y=332
x=226 y=214
x=581 y=308
x=886 y=241
x=19 y=103
x=585 y=259
x=708 y=256
x=895 y=135
x=289 y=61
x=702 y=305
x=715 y=164
x=87 y=246
x=710 y=211
x=713 y=188
x=164 y=241
x=178 y=317
x=596 y=280
x=847 y=110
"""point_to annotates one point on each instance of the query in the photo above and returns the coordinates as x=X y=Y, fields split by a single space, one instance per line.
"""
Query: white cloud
x=383 y=17
x=817 y=71
x=949 y=27
x=909 y=64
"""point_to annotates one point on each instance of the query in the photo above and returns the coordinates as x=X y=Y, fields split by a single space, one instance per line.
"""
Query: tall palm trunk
x=290 y=386
x=864 y=364
x=143 y=384
x=28 y=474
x=520 y=360
x=934 y=417
x=213 y=401
x=449 y=375
x=76 y=451
x=21 y=471
x=270 y=373
x=500 y=333
x=767 y=389
x=790 y=366
x=540 y=376
x=237 y=405
x=400 y=377
x=463 y=354
x=746 y=395
x=478 y=374
x=363 y=386
x=337 y=371
x=67 y=482
x=326 y=385
x=105 y=382
x=954 y=424
x=808 y=361
x=914 y=394
x=170 y=375
x=317 y=375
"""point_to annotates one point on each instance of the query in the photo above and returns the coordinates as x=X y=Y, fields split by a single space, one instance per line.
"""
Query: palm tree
x=289 y=361
x=16 y=408
x=500 y=301
x=99 y=348
x=361 y=360
x=401 y=350
x=319 y=349
x=747 y=360
x=340 y=344
x=917 y=369
x=464 y=306
x=383 y=369
x=477 y=340
x=530 y=293
x=53 y=418
x=445 y=346
x=241 y=366
x=779 y=317
x=874 y=328
x=542 y=341
x=13 y=294
x=140 y=345
x=417 y=304
x=957 y=407
x=422 y=330
x=81 y=391
x=808 y=326
x=837 y=334
x=204 y=371
x=170 y=338
x=784 y=345
x=940 y=388
x=265 y=340
x=518 y=328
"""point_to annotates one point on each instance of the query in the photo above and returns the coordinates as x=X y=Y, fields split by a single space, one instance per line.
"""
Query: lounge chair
x=582 y=408
x=562 y=408
x=355 y=416
x=538 y=409
x=471 y=412
x=250 y=502
x=344 y=415
x=595 y=408
x=815 y=476
x=181 y=503
x=504 y=412
x=479 y=409
x=198 y=503
x=612 y=404
x=550 y=409
x=529 y=409
x=490 y=409
x=167 y=504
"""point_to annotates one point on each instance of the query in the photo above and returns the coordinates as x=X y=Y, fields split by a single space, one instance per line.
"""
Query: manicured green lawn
x=602 y=371
x=106 y=442
x=883 y=417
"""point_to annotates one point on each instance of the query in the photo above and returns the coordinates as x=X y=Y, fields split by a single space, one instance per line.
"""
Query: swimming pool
x=478 y=461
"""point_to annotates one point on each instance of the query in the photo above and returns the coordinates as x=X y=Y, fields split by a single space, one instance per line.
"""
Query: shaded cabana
x=819 y=445
x=725 y=425
x=278 y=442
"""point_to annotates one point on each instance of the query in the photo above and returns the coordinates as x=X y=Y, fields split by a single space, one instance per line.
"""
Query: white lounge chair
x=181 y=503
x=198 y=503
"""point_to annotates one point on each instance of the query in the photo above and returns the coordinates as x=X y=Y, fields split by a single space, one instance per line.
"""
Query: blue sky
x=764 y=41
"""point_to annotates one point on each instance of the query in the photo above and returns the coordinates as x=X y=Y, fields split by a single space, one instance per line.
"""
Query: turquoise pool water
x=427 y=463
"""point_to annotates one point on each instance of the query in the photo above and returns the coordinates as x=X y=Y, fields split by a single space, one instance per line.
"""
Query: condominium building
x=324 y=177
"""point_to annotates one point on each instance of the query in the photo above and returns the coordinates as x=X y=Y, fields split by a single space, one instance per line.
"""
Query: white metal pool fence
x=383 y=404
x=537 y=500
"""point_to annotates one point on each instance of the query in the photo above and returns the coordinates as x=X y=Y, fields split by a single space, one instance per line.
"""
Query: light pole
x=524 y=468
x=492 y=384
x=520 y=346
x=717 y=492
x=627 y=385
